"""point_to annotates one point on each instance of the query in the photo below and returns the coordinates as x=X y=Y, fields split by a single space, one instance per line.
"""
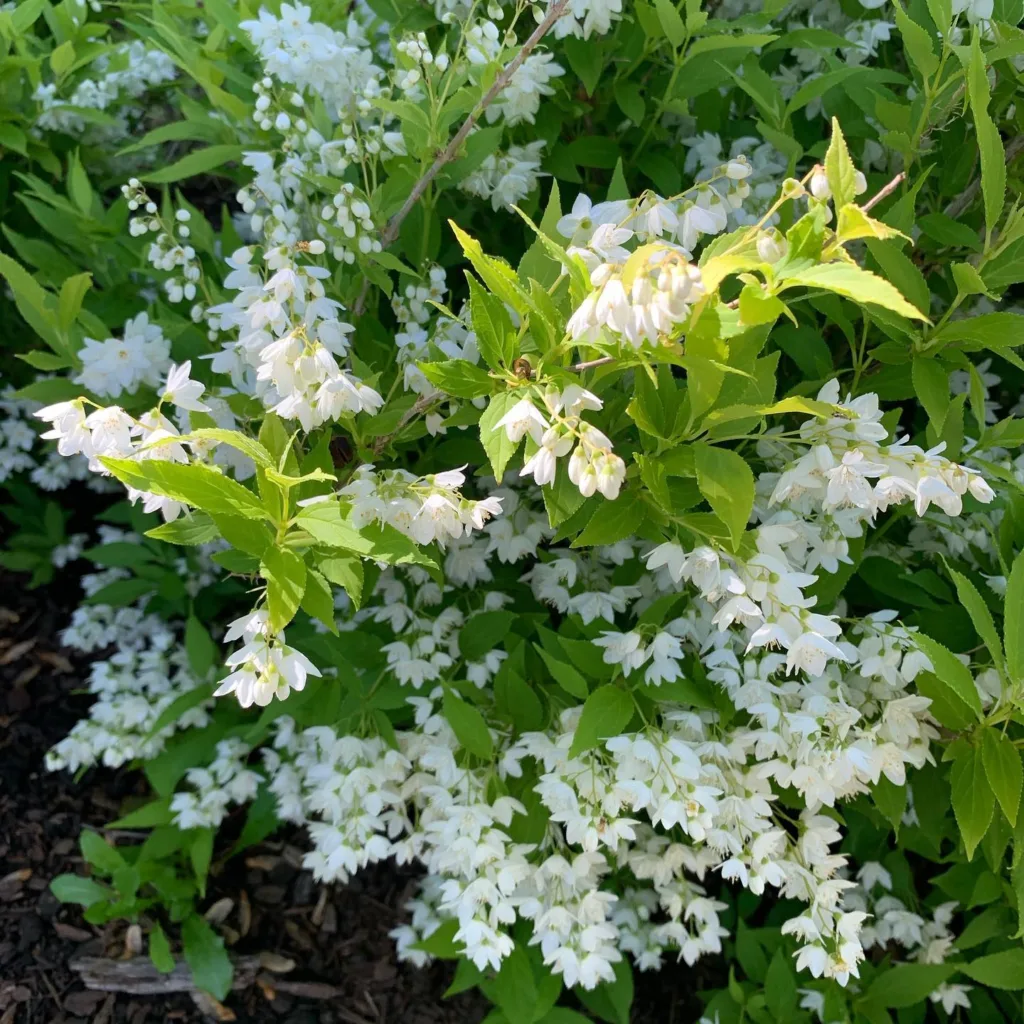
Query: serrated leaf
x=160 y=950
x=972 y=798
x=854 y=283
x=606 y=713
x=952 y=673
x=1003 y=771
x=285 y=573
x=839 y=169
x=1013 y=620
x=495 y=335
x=469 y=726
x=206 y=956
x=727 y=482
x=457 y=377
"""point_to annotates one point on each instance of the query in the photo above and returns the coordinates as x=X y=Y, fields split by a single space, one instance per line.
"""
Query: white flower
x=183 y=392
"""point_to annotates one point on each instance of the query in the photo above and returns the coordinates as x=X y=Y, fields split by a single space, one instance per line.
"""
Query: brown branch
x=450 y=151
x=1013 y=149
x=140 y=977
x=882 y=193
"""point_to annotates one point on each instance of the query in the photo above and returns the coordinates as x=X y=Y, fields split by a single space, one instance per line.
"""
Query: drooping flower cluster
x=426 y=508
x=559 y=430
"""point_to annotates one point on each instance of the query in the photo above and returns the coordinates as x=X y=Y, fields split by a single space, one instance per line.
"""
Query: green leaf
x=1003 y=771
x=565 y=675
x=201 y=161
x=853 y=283
x=499 y=277
x=469 y=726
x=72 y=292
x=76 y=889
x=495 y=440
x=285 y=573
x=990 y=145
x=901 y=271
x=980 y=615
x=318 y=600
x=483 y=632
x=244 y=534
x=954 y=675
x=189 y=529
x=193 y=484
x=972 y=798
x=671 y=22
x=917 y=42
x=1003 y=970
x=931 y=384
x=758 y=307
x=495 y=335
x=839 y=169
x=199 y=645
x=891 y=800
x=613 y=521
x=907 y=984
x=206 y=956
x=537 y=262
x=458 y=377
x=99 y=854
x=725 y=479
x=606 y=713
x=347 y=573
x=780 y=987
x=160 y=950
x=1013 y=620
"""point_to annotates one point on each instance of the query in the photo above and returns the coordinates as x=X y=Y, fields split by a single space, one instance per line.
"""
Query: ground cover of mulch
x=327 y=952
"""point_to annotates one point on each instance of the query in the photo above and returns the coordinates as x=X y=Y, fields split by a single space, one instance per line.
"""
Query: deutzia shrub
x=570 y=449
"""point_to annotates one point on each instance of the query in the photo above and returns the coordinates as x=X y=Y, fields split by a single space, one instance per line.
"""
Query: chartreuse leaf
x=727 y=482
x=469 y=725
x=499 y=277
x=990 y=145
x=495 y=335
x=1003 y=771
x=853 y=283
x=917 y=42
x=285 y=573
x=606 y=713
x=457 y=377
x=206 y=956
x=194 y=484
x=318 y=600
x=839 y=169
x=972 y=798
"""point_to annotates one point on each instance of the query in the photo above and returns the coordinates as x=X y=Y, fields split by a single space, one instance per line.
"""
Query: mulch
x=345 y=969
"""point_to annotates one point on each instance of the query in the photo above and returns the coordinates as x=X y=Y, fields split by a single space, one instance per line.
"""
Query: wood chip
x=70 y=933
x=56 y=661
x=304 y=989
x=16 y=877
x=276 y=963
x=15 y=651
x=218 y=913
x=211 y=1008
x=132 y=941
x=244 y=914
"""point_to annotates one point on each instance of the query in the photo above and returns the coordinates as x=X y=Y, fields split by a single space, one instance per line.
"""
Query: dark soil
x=345 y=969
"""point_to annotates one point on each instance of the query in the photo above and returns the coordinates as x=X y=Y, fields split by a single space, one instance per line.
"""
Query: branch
x=448 y=154
x=1013 y=149
x=883 y=192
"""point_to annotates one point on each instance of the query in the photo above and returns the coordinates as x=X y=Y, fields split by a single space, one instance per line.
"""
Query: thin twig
x=590 y=364
x=1013 y=149
x=451 y=150
x=421 y=405
x=883 y=192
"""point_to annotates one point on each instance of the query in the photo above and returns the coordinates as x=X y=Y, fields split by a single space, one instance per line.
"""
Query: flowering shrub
x=562 y=459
